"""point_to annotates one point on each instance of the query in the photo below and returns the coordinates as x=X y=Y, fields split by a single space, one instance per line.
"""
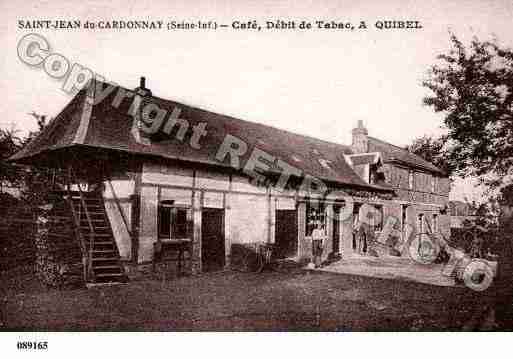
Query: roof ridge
x=404 y=150
x=194 y=107
x=86 y=108
x=391 y=144
x=48 y=129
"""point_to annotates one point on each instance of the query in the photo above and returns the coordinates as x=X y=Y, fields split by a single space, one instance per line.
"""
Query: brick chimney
x=142 y=90
x=360 y=143
x=141 y=93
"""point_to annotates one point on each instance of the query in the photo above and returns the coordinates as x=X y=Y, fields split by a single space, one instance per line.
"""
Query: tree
x=10 y=143
x=432 y=150
x=33 y=182
x=473 y=88
x=37 y=182
x=41 y=124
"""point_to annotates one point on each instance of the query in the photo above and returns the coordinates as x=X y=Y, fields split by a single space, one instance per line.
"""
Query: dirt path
x=241 y=301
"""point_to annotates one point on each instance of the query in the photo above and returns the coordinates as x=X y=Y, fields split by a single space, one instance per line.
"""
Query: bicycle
x=265 y=252
x=254 y=259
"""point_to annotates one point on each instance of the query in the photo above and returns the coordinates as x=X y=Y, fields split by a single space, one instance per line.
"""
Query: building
x=176 y=173
x=461 y=213
x=421 y=189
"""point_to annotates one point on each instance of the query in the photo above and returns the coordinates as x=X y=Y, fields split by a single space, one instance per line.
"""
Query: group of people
x=361 y=237
x=498 y=299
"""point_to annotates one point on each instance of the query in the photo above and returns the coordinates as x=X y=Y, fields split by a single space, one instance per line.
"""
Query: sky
x=317 y=82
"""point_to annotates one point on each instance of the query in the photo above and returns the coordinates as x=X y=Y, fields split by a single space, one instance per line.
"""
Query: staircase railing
x=86 y=262
x=89 y=223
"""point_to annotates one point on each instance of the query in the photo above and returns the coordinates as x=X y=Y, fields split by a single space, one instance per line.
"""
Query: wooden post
x=272 y=222
x=346 y=229
x=196 y=235
x=328 y=246
x=148 y=220
x=304 y=248
x=119 y=207
x=136 y=212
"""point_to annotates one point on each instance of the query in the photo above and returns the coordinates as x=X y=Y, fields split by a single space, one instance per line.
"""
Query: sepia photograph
x=255 y=167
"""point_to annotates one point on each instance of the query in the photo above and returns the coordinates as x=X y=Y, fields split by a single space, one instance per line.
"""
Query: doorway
x=286 y=233
x=356 y=210
x=212 y=239
x=336 y=229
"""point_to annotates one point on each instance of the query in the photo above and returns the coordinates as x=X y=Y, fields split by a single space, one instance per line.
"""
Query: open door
x=212 y=239
x=336 y=229
x=286 y=233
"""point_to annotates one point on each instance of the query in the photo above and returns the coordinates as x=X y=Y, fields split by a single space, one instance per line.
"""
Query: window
x=377 y=219
x=420 y=223
x=371 y=214
x=404 y=209
x=172 y=221
x=435 y=223
x=315 y=217
x=356 y=211
x=433 y=184
x=376 y=175
x=324 y=163
x=410 y=179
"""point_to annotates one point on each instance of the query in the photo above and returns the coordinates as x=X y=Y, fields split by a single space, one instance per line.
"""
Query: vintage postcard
x=254 y=166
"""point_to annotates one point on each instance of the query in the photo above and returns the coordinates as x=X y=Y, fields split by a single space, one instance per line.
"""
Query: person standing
x=318 y=241
x=361 y=238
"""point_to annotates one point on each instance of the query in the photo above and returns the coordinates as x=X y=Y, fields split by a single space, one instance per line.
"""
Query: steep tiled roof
x=59 y=133
x=392 y=153
x=109 y=127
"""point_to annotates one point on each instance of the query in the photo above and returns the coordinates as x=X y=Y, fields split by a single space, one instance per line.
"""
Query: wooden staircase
x=93 y=226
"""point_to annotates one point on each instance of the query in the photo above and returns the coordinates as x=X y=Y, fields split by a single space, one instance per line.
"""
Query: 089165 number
x=32 y=345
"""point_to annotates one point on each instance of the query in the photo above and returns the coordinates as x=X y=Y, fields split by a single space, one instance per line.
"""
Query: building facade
x=214 y=181
x=421 y=189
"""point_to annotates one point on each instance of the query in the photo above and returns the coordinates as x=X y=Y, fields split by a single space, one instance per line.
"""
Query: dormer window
x=296 y=158
x=325 y=163
x=261 y=142
x=372 y=175
x=367 y=166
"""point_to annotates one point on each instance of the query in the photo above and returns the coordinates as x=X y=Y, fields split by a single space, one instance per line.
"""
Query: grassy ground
x=297 y=300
